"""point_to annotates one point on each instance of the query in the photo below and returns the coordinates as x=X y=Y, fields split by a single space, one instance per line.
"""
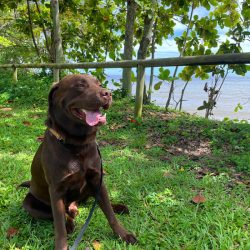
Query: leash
x=85 y=226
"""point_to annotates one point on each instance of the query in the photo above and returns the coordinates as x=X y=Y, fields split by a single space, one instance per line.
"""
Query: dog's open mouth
x=92 y=118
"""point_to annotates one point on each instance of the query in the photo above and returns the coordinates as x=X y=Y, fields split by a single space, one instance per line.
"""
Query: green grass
x=155 y=167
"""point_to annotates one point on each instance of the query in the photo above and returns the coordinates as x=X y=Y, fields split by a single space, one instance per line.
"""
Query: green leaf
x=201 y=107
x=5 y=42
x=226 y=119
x=117 y=84
x=112 y=55
x=164 y=74
x=170 y=78
x=158 y=85
x=196 y=17
x=204 y=106
x=238 y=107
x=133 y=76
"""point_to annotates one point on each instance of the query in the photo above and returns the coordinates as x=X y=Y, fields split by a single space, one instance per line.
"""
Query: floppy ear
x=51 y=93
x=53 y=89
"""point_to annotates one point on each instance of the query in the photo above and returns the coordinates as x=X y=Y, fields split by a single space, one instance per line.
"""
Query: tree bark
x=128 y=46
x=14 y=76
x=152 y=68
x=31 y=30
x=142 y=54
x=57 y=40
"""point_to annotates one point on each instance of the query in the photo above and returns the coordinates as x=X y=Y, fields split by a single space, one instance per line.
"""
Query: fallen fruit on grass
x=26 y=123
x=167 y=174
x=6 y=109
x=198 y=199
x=96 y=245
x=11 y=232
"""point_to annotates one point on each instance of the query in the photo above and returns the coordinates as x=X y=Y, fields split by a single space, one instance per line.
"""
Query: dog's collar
x=57 y=135
x=62 y=139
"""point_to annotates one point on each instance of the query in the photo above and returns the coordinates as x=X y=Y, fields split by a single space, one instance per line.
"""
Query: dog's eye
x=81 y=85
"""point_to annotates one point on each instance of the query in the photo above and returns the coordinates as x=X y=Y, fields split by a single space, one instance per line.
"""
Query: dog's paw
x=73 y=210
x=70 y=226
x=130 y=239
x=120 y=209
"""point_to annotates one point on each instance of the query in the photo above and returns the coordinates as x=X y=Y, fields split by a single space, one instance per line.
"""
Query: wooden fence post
x=139 y=91
x=14 y=76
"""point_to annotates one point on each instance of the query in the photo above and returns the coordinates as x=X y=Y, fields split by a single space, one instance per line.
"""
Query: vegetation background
x=184 y=178
x=101 y=30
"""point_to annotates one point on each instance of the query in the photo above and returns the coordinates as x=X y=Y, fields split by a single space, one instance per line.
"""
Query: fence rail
x=235 y=58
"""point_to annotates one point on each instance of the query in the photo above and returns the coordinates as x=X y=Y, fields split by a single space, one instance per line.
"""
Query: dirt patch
x=204 y=171
x=236 y=178
x=191 y=148
x=194 y=149
x=239 y=178
x=161 y=115
x=112 y=142
x=115 y=126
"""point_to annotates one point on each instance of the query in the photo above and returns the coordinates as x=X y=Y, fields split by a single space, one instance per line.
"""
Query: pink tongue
x=94 y=117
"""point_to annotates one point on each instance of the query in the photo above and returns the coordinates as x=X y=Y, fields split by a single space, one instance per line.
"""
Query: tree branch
x=31 y=29
x=181 y=54
x=44 y=31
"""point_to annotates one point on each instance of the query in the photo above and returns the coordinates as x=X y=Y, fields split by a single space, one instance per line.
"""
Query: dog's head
x=79 y=99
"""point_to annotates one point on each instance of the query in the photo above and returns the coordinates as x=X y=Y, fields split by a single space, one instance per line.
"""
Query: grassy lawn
x=156 y=167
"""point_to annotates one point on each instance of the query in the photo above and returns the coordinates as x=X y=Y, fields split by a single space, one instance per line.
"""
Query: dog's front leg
x=58 y=209
x=107 y=209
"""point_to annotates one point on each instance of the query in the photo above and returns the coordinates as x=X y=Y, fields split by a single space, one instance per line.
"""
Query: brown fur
x=64 y=173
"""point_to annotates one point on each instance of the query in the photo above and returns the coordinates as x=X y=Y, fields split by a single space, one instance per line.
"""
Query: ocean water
x=235 y=90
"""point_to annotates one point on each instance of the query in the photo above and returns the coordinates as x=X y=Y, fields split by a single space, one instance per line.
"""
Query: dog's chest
x=75 y=187
x=82 y=179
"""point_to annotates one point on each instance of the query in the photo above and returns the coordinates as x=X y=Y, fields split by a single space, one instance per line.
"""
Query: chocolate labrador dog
x=66 y=168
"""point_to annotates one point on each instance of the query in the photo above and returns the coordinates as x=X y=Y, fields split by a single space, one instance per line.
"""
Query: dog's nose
x=105 y=93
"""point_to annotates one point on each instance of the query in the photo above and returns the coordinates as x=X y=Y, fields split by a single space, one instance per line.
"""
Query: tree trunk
x=139 y=91
x=57 y=40
x=152 y=68
x=182 y=96
x=171 y=90
x=142 y=54
x=14 y=76
x=128 y=46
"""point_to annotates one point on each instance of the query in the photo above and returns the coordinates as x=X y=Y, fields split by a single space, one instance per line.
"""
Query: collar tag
x=56 y=134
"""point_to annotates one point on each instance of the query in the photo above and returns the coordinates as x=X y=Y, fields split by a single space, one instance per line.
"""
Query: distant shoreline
x=236 y=89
